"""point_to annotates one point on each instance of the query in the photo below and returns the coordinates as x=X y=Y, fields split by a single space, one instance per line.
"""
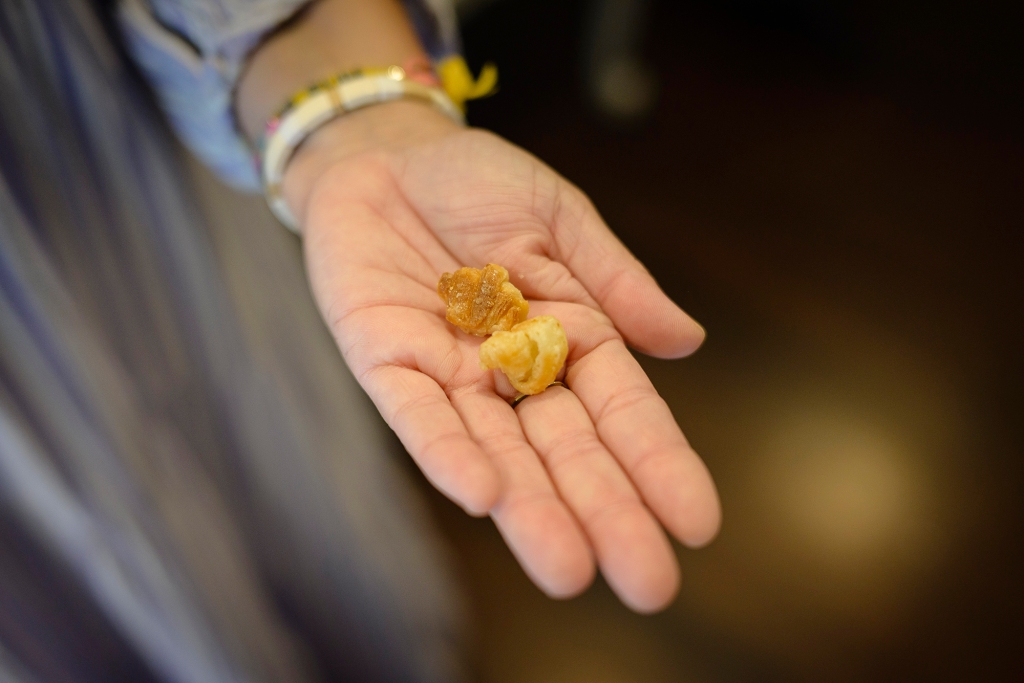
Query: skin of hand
x=392 y=196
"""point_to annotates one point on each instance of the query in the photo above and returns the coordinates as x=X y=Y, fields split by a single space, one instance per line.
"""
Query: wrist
x=387 y=127
x=327 y=38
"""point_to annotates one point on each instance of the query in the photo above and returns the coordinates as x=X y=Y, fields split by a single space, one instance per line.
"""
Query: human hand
x=392 y=196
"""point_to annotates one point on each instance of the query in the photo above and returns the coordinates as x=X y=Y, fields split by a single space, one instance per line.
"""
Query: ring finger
x=534 y=521
x=632 y=550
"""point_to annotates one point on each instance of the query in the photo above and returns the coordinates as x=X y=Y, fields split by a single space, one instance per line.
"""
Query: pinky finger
x=419 y=412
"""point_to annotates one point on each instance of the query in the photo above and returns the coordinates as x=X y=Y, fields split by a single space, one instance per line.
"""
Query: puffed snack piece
x=482 y=302
x=530 y=354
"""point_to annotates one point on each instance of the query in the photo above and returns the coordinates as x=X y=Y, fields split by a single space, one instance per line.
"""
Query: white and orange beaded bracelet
x=327 y=100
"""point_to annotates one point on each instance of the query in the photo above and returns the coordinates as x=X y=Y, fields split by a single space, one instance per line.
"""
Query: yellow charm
x=459 y=83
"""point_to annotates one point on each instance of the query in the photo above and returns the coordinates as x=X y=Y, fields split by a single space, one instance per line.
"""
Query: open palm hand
x=569 y=477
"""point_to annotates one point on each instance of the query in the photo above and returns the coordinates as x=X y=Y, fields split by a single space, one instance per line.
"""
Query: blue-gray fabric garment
x=192 y=488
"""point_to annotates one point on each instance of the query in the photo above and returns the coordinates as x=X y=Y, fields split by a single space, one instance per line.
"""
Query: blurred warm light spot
x=848 y=491
x=842 y=499
x=844 y=508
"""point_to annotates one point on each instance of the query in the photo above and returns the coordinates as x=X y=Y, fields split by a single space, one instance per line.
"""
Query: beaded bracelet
x=338 y=95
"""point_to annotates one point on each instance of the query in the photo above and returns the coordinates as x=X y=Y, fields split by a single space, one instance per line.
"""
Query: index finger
x=625 y=290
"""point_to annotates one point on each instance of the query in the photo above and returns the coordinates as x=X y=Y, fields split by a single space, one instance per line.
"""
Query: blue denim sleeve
x=193 y=51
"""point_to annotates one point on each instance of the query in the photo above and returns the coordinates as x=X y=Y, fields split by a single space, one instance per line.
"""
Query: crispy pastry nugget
x=530 y=354
x=482 y=302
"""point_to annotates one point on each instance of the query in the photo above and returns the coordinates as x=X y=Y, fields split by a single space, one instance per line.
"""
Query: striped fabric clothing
x=192 y=486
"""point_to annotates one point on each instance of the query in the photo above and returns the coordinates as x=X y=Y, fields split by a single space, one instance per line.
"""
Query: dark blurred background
x=836 y=191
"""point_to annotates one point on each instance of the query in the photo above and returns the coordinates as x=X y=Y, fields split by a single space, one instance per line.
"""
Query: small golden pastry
x=530 y=354
x=482 y=302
